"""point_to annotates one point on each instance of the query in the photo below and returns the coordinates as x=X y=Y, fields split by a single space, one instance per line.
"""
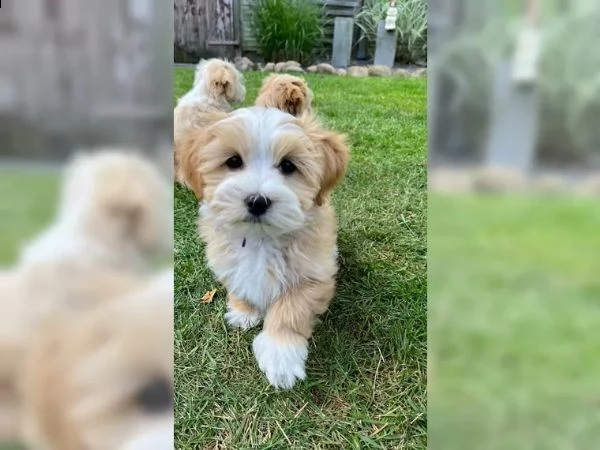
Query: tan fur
x=287 y=93
x=336 y=155
x=33 y=295
x=82 y=372
x=238 y=304
x=187 y=121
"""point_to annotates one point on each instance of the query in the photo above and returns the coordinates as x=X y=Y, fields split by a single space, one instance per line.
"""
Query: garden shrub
x=287 y=29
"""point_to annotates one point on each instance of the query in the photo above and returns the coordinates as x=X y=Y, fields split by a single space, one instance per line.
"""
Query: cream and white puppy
x=265 y=179
x=115 y=211
x=217 y=87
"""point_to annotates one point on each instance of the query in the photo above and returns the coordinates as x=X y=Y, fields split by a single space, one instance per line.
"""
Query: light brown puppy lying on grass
x=288 y=93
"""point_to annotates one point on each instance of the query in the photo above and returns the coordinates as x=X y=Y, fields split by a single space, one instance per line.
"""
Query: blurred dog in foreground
x=217 y=87
x=265 y=179
x=115 y=211
x=75 y=308
x=288 y=93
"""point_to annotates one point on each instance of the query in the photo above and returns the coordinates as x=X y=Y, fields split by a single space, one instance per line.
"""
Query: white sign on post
x=391 y=16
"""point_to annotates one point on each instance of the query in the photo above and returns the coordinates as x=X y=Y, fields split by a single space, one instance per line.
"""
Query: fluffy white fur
x=115 y=211
x=283 y=364
x=242 y=319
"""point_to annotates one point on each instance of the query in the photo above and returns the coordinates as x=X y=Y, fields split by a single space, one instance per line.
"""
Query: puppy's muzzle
x=257 y=204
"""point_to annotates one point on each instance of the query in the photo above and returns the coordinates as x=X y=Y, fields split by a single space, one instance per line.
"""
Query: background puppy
x=217 y=86
x=104 y=379
x=288 y=93
x=115 y=211
x=265 y=179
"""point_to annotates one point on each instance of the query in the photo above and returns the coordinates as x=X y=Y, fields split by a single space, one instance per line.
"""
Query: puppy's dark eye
x=287 y=167
x=156 y=396
x=235 y=162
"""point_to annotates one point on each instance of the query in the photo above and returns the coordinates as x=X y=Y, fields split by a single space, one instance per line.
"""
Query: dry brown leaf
x=208 y=296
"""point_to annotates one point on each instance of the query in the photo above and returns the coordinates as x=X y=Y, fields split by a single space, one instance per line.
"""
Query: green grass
x=367 y=374
x=27 y=203
x=513 y=323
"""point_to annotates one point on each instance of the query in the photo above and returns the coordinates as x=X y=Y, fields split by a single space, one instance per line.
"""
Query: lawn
x=27 y=202
x=367 y=370
x=514 y=323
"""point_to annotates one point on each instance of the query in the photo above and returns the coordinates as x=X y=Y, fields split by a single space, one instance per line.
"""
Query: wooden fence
x=221 y=28
x=82 y=73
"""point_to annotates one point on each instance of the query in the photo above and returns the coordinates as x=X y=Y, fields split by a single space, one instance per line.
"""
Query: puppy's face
x=221 y=80
x=261 y=171
x=288 y=93
x=105 y=379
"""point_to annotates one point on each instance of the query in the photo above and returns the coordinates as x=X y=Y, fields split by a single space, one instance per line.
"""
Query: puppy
x=217 y=86
x=104 y=379
x=265 y=179
x=115 y=211
x=286 y=92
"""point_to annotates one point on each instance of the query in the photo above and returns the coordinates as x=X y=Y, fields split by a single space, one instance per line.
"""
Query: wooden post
x=385 y=51
x=342 y=41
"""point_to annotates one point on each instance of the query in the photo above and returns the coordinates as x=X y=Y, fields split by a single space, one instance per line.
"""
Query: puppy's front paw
x=242 y=319
x=282 y=362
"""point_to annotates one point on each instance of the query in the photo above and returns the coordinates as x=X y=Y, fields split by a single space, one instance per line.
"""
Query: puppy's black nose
x=257 y=204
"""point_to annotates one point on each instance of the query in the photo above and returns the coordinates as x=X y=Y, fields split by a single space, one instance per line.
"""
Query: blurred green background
x=513 y=322
x=27 y=202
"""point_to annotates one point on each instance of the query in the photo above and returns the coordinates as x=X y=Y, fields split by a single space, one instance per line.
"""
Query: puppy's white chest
x=256 y=272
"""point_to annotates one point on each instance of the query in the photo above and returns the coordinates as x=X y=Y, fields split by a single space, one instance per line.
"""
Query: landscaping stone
x=420 y=73
x=326 y=68
x=499 y=180
x=288 y=66
x=402 y=73
x=269 y=67
x=550 y=184
x=358 y=71
x=294 y=69
x=311 y=69
x=244 y=64
x=379 y=71
x=590 y=186
x=342 y=72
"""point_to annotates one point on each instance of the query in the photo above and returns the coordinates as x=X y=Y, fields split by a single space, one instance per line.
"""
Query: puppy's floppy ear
x=188 y=150
x=187 y=160
x=336 y=154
